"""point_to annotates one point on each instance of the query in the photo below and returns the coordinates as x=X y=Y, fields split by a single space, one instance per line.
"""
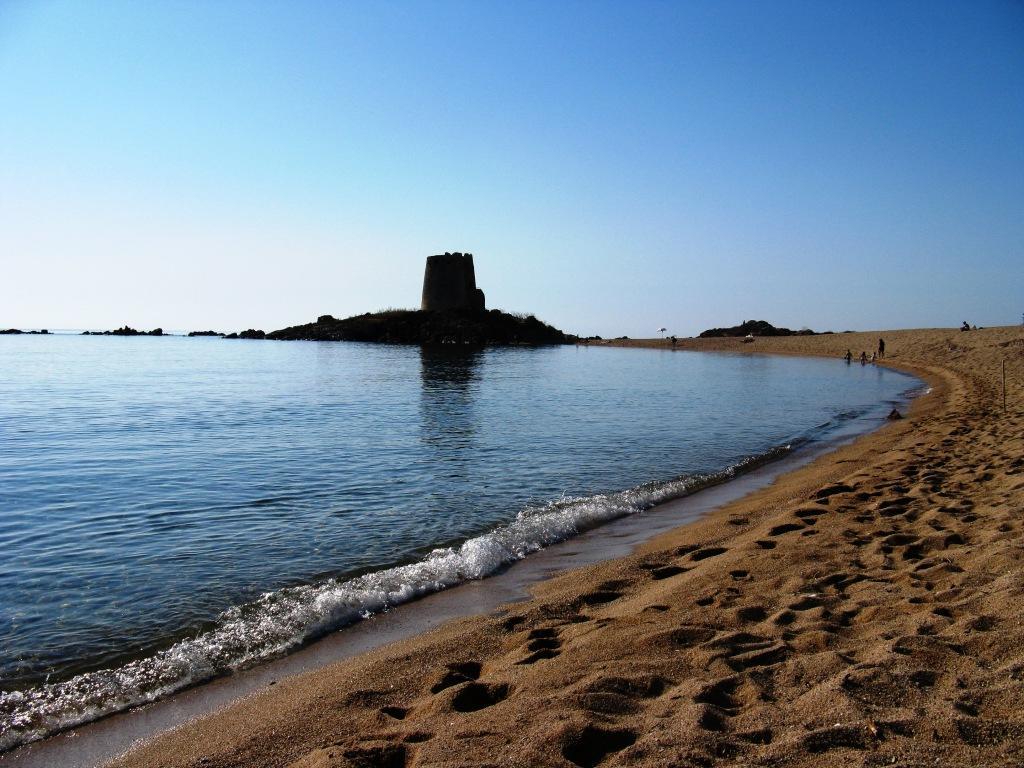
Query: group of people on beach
x=875 y=356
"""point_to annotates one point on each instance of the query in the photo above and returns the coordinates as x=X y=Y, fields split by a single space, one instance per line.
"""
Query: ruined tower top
x=449 y=282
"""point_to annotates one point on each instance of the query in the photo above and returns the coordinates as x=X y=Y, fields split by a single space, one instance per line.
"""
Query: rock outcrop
x=250 y=333
x=125 y=331
x=408 y=326
x=754 y=328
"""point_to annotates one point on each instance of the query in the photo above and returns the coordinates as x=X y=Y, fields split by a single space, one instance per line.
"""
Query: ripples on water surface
x=174 y=508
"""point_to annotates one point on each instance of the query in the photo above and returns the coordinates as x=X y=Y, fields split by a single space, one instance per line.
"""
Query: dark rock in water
x=14 y=331
x=894 y=415
x=754 y=328
x=204 y=333
x=125 y=331
x=465 y=326
x=250 y=333
x=11 y=332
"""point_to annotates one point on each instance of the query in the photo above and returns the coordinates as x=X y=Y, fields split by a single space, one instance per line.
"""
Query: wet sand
x=861 y=610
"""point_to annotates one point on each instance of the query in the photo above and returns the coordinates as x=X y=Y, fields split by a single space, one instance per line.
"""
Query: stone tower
x=449 y=282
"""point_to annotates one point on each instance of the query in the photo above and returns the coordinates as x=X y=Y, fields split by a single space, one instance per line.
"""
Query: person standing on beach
x=881 y=348
x=863 y=358
x=849 y=356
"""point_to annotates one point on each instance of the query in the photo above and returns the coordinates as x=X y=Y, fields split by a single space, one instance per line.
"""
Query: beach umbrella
x=662 y=331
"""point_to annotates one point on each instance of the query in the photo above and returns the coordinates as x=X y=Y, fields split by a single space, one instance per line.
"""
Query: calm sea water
x=172 y=509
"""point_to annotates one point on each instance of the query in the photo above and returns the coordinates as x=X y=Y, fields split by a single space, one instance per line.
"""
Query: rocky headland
x=18 y=332
x=406 y=326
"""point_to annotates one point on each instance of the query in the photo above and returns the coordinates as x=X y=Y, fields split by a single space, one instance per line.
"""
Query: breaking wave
x=283 y=620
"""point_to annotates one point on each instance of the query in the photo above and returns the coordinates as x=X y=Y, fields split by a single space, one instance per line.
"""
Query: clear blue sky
x=614 y=167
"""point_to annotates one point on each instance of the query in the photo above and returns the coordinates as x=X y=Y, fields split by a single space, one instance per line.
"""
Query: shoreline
x=492 y=677
x=60 y=705
x=101 y=739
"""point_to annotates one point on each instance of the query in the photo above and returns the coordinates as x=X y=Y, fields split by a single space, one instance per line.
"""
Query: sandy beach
x=862 y=610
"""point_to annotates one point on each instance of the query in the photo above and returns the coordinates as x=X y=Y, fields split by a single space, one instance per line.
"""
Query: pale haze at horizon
x=614 y=167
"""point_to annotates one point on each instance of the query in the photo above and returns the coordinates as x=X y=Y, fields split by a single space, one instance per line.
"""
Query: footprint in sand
x=720 y=694
x=542 y=643
x=599 y=597
x=685 y=550
x=832 y=490
x=779 y=530
x=666 y=572
x=589 y=746
x=806 y=603
x=721 y=702
x=366 y=753
x=686 y=636
x=704 y=554
x=614 y=695
x=473 y=697
x=456 y=674
x=752 y=613
x=743 y=650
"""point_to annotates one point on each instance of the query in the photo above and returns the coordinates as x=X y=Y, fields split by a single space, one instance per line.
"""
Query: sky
x=614 y=167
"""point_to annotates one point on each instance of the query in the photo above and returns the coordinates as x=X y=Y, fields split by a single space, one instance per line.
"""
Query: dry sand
x=863 y=610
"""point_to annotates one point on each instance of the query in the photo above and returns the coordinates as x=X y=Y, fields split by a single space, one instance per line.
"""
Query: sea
x=176 y=509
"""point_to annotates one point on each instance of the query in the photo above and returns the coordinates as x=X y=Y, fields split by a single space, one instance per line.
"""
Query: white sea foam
x=283 y=620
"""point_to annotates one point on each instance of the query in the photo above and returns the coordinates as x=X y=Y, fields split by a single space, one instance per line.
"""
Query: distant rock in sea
x=754 y=328
x=125 y=331
x=18 y=331
x=407 y=326
x=204 y=333
x=251 y=333
x=452 y=311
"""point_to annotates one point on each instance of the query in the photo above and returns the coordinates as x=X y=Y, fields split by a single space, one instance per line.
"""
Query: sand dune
x=864 y=610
